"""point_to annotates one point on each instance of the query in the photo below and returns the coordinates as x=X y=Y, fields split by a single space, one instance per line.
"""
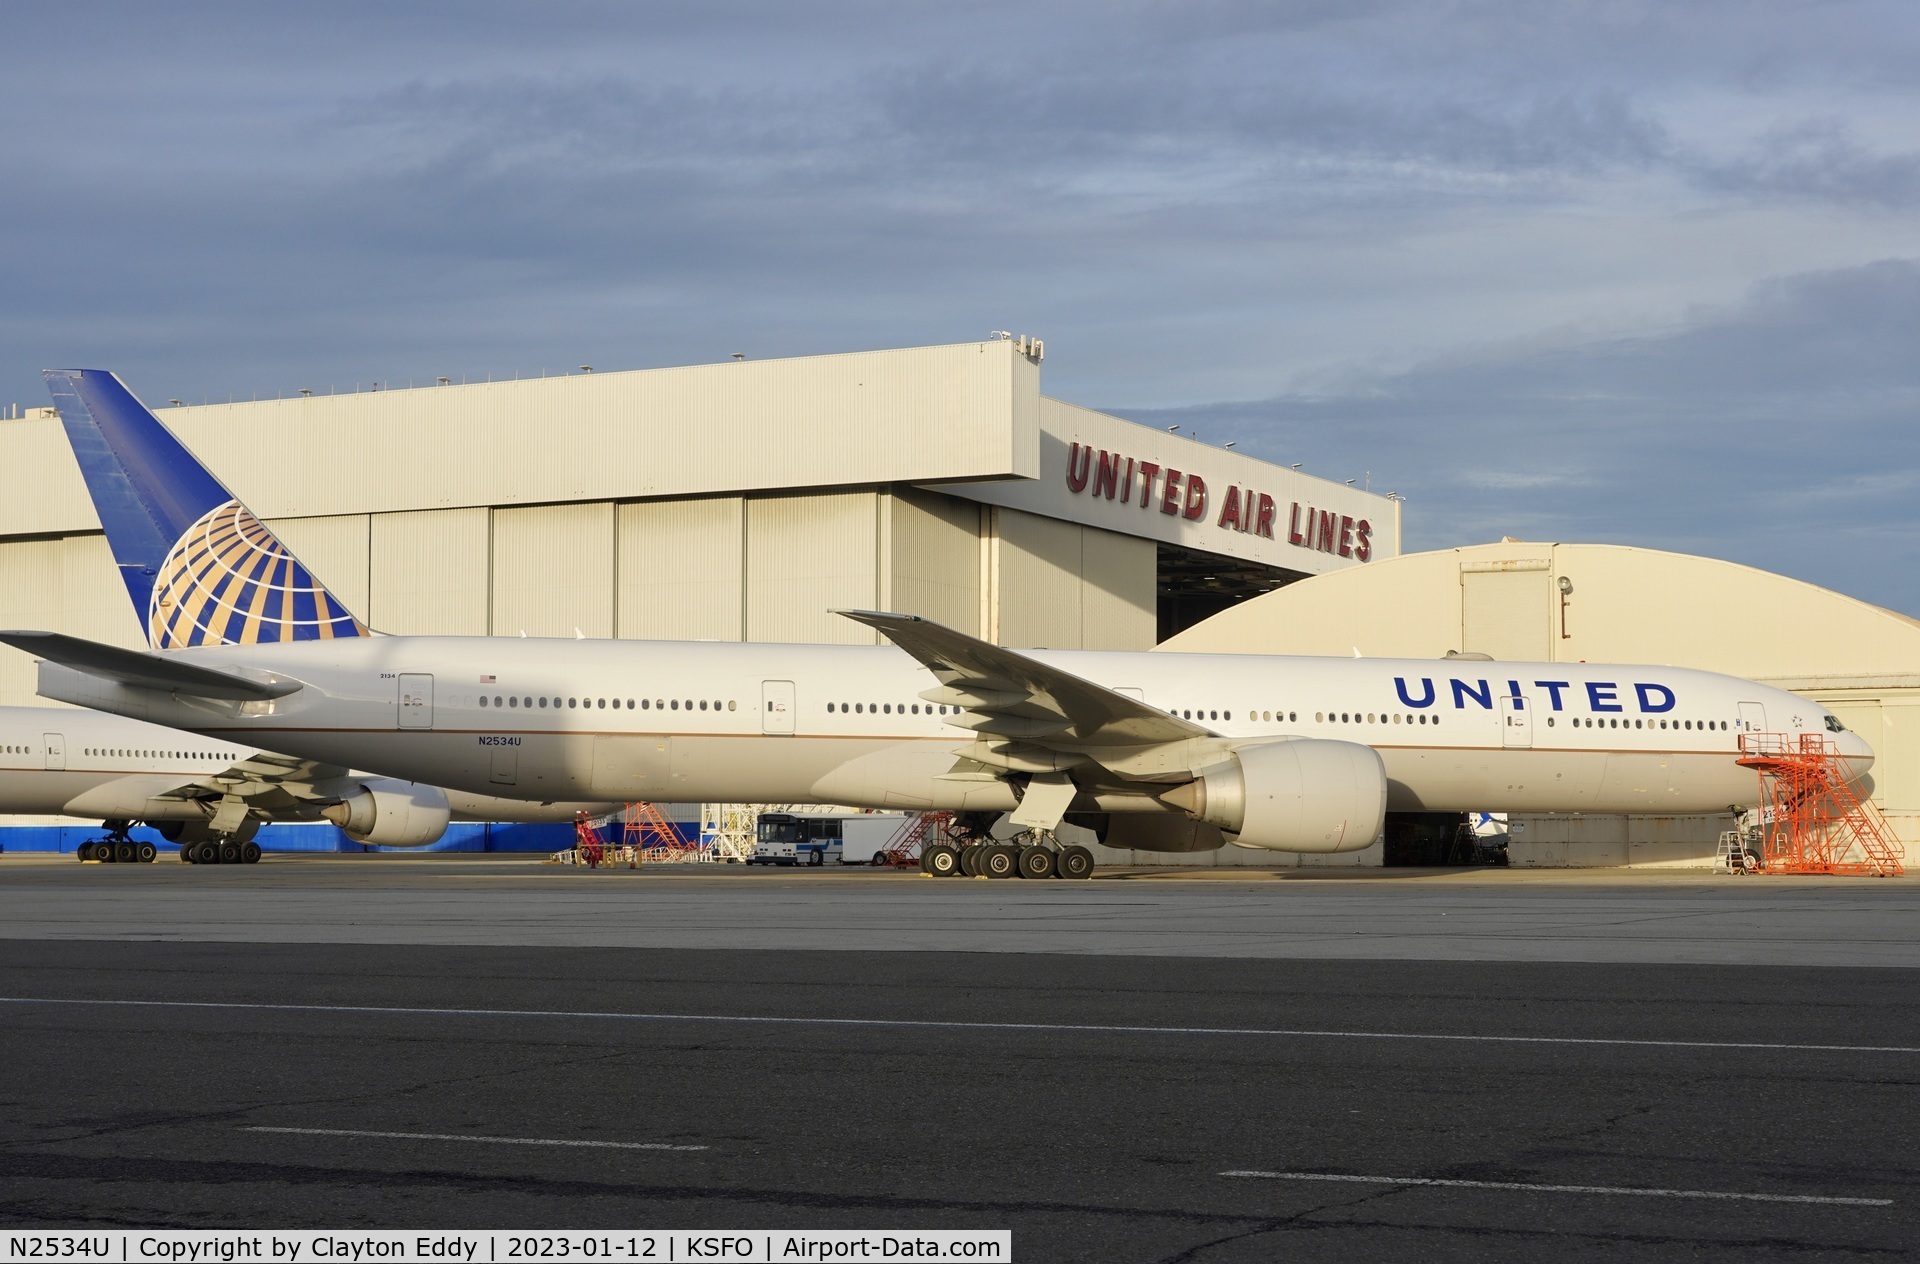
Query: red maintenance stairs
x=1812 y=820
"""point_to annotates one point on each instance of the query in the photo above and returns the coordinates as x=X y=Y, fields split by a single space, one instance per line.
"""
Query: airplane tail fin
x=200 y=568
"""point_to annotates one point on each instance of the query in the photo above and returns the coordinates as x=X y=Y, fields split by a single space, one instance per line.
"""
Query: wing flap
x=1005 y=693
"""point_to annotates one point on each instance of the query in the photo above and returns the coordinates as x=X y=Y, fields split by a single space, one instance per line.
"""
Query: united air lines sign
x=1146 y=485
x=1102 y=471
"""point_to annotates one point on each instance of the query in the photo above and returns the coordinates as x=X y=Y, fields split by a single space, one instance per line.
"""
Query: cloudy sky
x=1642 y=273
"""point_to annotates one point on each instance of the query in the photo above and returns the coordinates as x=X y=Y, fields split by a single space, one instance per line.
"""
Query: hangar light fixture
x=444 y=381
x=174 y=402
x=1230 y=443
x=305 y=391
x=586 y=368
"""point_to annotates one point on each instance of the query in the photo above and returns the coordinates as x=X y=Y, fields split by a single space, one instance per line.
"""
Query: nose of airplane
x=1859 y=756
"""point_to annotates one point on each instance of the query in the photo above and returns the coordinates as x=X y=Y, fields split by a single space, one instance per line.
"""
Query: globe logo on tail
x=229 y=581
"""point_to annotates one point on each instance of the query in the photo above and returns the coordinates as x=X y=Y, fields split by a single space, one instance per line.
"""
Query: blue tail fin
x=200 y=568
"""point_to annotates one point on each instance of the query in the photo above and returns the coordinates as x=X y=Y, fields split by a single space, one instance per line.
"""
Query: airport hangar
x=743 y=500
x=1540 y=602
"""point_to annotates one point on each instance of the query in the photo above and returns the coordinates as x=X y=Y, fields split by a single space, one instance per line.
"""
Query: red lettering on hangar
x=1242 y=509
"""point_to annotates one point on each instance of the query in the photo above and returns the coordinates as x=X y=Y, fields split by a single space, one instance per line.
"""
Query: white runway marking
x=955 y=1025
x=1618 y=1190
x=455 y=1136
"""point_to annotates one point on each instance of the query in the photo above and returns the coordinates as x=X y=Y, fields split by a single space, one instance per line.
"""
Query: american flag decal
x=487 y=680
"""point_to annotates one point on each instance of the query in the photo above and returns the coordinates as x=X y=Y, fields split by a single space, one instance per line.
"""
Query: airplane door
x=416 y=700
x=1753 y=717
x=776 y=707
x=504 y=768
x=56 y=744
x=1516 y=731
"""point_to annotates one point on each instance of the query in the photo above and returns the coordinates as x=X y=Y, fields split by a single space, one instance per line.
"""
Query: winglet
x=200 y=568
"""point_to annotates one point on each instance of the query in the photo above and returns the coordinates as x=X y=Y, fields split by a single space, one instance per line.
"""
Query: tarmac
x=1154 y=1066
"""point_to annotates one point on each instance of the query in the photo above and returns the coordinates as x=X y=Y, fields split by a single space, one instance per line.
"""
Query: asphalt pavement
x=1103 y=1106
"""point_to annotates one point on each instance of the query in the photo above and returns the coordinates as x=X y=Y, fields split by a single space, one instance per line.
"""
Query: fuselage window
x=645 y=705
x=513 y=702
x=676 y=704
x=859 y=708
x=483 y=700
x=1319 y=717
x=730 y=704
x=703 y=704
x=603 y=703
x=573 y=703
x=543 y=703
x=1396 y=719
x=1549 y=721
x=887 y=708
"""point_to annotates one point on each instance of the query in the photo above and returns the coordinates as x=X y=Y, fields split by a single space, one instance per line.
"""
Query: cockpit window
x=1834 y=725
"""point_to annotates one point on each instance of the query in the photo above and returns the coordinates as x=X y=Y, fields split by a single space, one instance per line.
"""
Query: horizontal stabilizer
x=144 y=670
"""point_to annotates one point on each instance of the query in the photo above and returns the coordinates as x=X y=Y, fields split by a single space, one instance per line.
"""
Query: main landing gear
x=221 y=851
x=117 y=847
x=1036 y=855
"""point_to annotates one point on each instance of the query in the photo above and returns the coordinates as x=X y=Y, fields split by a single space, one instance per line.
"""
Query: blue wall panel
x=460 y=836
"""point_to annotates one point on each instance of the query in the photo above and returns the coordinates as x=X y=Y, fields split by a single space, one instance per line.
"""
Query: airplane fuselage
x=689 y=721
x=62 y=761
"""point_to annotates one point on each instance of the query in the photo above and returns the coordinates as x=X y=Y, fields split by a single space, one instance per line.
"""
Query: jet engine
x=392 y=813
x=1309 y=795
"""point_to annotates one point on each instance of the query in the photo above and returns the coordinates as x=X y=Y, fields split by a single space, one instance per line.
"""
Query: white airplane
x=211 y=795
x=1152 y=751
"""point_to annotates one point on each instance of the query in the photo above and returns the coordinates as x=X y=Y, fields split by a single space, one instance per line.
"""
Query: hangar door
x=1504 y=610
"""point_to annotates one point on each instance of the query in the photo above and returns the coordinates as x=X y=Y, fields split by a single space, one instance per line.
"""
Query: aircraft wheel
x=229 y=853
x=970 y=858
x=186 y=855
x=999 y=861
x=941 y=861
x=123 y=853
x=250 y=853
x=1036 y=862
x=147 y=853
x=206 y=854
x=1075 y=862
x=83 y=852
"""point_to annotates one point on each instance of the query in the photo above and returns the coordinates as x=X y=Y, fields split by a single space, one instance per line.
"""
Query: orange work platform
x=910 y=841
x=652 y=837
x=1812 y=818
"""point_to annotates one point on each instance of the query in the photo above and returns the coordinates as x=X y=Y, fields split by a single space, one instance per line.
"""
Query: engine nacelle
x=1309 y=795
x=391 y=813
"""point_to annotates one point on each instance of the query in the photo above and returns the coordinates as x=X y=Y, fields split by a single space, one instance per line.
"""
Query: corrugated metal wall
x=969 y=410
x=933 y=558
x=680 y=569
x=1039 y=581
x=1067 y=587
x=59 y=584
x=806 y=556
x=430 y=572
x=553 y=570
x=1118 y=592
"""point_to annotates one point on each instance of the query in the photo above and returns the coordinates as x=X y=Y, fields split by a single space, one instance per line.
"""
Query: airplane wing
x=146 y=670
x=1068 y=733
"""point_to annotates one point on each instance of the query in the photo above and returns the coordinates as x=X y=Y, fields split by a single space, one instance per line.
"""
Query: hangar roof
x=1623 y=604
